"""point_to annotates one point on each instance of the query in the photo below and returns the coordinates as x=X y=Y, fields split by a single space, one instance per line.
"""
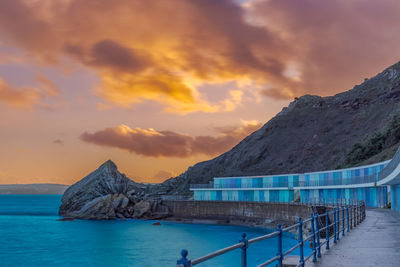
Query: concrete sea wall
x=257 y=212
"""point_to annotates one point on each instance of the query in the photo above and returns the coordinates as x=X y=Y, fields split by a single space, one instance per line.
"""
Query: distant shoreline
x=32 y=189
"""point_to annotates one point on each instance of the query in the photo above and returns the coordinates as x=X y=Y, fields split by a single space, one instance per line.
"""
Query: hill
x=313 y=133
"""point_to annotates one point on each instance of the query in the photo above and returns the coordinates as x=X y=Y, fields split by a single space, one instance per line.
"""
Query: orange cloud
x=162 y=175
x=49 y=87
x=27 y=97
x=24 y=97
x=156 y=51
x=154 y=143
x=163 y=50
x=336 y=43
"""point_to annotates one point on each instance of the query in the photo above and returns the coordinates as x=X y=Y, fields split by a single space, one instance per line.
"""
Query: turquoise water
x=30 y=235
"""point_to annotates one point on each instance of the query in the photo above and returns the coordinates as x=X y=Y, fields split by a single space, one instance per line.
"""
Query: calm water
x=30 y=235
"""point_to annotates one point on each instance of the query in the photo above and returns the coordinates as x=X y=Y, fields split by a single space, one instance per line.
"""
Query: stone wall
x=234 y=211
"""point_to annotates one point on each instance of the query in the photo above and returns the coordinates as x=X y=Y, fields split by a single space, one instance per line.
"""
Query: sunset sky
x=157 y=86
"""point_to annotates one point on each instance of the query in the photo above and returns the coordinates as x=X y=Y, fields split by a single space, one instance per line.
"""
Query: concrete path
x=375 y=242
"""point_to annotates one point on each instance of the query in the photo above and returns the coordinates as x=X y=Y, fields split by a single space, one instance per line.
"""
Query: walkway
x=375 y=242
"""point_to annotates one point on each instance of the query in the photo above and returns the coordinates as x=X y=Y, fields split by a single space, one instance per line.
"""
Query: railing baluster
x=347 y=217
x=338 y=223
x=357 y=213
x=313 y=238
x=301 y=241
x=343 y=221
x=334 y=225
x=244 y=249
x=351 y=216
x=327 y=228
x=184 y=261
x=317 y=232
x=280 y=253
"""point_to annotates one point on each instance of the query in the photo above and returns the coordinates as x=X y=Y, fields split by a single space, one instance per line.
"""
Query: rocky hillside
x=313 y=133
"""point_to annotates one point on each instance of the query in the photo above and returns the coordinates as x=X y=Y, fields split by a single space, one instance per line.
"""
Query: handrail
x=263 y=237
x=349 y=214
x=216 y=253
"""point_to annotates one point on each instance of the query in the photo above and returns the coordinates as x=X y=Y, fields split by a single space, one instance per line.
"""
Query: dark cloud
x=110 y=54
x=58 y=142
x=276 y=93
x=167 y=143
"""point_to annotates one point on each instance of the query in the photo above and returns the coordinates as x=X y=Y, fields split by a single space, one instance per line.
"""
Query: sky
x=157 y=86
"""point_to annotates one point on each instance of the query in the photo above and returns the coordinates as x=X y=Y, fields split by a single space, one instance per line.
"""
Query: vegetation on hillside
x=375 y=144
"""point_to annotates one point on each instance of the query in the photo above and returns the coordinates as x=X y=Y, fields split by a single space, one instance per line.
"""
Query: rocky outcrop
x=106 y=194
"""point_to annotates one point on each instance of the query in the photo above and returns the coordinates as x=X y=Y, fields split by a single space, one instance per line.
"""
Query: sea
x=32 y=235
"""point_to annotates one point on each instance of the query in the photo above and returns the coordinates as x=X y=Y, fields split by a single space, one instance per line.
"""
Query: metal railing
x=344 y=218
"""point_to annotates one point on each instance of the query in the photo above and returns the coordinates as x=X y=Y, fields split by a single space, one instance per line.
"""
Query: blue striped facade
x=373 y=196
x=245 y=195
x=288 y=180
x=359 y=175
x=395 y=195
x=265 y=188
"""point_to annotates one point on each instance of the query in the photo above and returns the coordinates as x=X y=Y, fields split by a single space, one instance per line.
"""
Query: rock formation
x=107 y=194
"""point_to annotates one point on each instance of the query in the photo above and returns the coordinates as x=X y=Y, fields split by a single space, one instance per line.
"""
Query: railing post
x=244 y=249
x=343 y=220
x=317 y=232
x=301 y=241
x=327 y=228
x=347 y=217
x=357 y=213
x=280 y=253
x=313 y=239
x=362 y=211
x=351 y=216
x=338 y=224
x=334 y=225
x=364 y=215
x=184 y=261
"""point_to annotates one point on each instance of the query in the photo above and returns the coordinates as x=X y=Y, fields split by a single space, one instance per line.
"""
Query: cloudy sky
x=157 y=86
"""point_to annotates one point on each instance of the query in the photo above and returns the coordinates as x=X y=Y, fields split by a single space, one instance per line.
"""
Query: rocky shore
x=106 y=194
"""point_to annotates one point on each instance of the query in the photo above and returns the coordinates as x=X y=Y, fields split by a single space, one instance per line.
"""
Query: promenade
x=375 y=242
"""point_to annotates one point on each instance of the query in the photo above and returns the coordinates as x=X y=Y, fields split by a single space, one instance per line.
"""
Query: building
x=370 y=183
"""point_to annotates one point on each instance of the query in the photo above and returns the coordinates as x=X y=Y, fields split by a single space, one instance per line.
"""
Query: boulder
x=141 y=208
x=98 y=208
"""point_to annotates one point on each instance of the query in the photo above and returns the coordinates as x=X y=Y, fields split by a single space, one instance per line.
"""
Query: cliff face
x=313 y=133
